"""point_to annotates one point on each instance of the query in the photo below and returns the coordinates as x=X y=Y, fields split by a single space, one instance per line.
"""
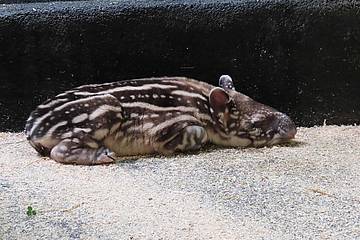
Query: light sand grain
x=307 y=189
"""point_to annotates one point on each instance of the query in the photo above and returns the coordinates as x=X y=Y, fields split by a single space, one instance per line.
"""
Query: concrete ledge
x=301 y=57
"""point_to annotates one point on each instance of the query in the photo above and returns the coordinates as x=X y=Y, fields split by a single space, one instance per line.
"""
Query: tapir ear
x=218 y=99
x=226 y=82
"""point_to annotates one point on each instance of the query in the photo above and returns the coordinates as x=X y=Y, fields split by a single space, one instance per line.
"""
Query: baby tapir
x=91 y=124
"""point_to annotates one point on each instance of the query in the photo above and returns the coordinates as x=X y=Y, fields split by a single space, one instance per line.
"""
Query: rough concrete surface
x=305 y=190
x=301 y=57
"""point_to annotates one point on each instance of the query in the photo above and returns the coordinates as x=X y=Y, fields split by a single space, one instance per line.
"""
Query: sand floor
x=308 y=189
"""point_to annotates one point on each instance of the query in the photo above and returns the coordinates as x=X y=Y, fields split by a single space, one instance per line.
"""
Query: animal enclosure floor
x=308 y=189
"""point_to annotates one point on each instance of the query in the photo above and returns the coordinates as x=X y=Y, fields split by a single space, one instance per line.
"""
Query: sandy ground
x=308 y=189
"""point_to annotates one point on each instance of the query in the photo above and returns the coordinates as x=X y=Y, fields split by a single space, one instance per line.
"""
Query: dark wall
x=301 y=57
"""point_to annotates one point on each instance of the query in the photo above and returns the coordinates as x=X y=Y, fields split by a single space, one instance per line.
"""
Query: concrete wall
x=301 y=57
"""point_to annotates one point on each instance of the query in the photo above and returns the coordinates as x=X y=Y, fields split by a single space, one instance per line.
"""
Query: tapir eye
x=253 y=125
x=260 y=121
x=258 y=124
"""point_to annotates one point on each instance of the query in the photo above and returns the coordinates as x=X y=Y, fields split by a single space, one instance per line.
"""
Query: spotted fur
x=91 y=124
